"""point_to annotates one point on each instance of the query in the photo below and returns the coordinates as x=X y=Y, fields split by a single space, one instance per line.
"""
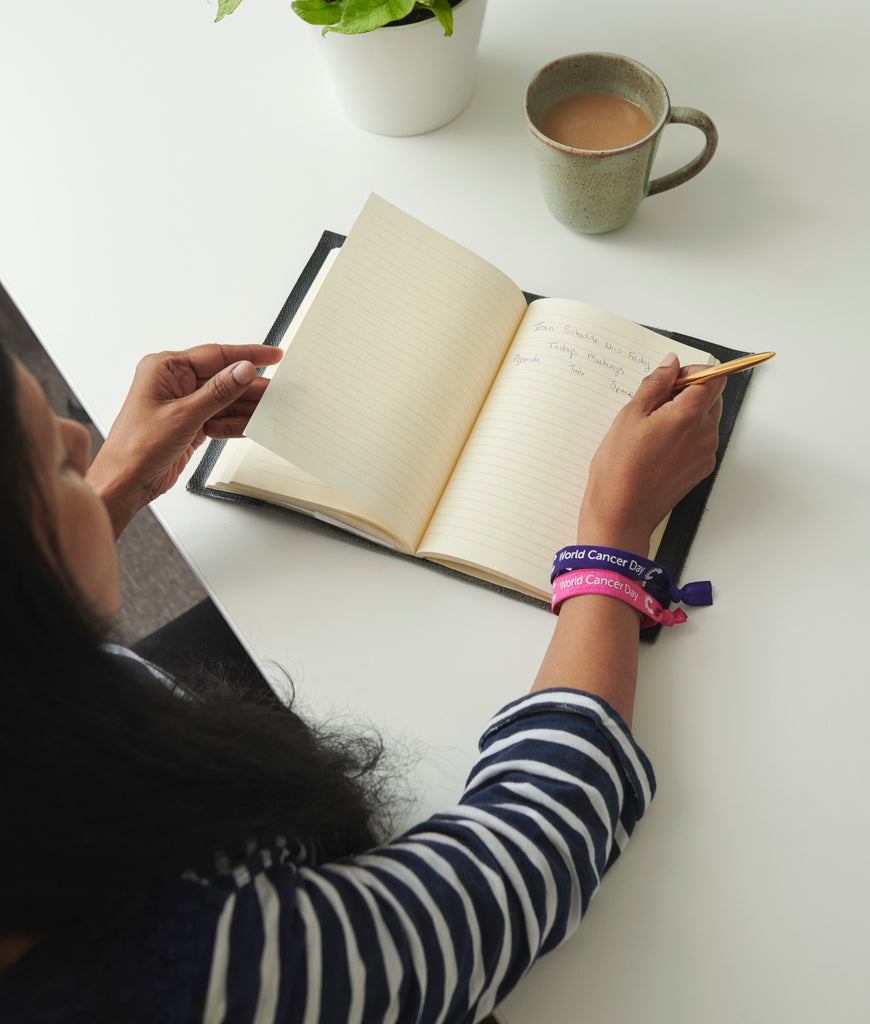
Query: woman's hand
x=176 y=401
x=658 y=447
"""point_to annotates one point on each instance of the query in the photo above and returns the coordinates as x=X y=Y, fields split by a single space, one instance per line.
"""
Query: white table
x=162 y=181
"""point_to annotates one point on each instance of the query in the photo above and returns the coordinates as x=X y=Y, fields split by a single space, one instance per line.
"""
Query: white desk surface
x=163 y=180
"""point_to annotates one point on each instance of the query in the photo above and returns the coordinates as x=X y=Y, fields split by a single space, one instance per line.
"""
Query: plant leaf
x=367 y=15
x=226 y=7
x=318 y=12
x=442 y=11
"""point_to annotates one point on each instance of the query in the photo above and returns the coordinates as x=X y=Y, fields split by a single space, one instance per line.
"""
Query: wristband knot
x=693 y=594
x=666 y=617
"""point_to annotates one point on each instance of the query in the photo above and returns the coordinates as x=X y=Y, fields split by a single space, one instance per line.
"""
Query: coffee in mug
x=595 y=121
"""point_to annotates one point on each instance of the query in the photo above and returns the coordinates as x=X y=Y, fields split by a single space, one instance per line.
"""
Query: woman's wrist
x=610 y=531
x=594 y=648
x=122 y=494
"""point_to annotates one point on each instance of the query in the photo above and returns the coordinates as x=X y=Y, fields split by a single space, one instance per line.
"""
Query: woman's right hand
x=659 y=446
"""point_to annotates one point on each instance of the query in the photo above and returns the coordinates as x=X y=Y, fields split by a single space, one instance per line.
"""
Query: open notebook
x=426 y=404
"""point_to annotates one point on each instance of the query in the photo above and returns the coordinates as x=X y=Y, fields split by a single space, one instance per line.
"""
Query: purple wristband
x=636 y=567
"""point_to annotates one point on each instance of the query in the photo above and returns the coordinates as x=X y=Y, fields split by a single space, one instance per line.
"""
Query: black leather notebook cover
x=684 y=520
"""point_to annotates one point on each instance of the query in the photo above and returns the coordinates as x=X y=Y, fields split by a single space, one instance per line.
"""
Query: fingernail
x=244 y=372
x=669 y=360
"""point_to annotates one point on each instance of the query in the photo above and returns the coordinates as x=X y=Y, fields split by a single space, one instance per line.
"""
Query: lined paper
x=247 y=468
x=514 y=496
x=386 y=374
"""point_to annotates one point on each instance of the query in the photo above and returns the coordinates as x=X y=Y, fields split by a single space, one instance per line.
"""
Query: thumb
x=657 y=387
x=220 y=391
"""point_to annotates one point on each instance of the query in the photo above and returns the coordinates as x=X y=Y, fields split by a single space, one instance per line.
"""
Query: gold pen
x=734 y=366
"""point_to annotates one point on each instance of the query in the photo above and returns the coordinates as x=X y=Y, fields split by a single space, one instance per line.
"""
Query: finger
x=208 y=360
x=234 y=412
x=254 y=391
x=658 y=386
x=259 y=355
x=218 y=393
x=247 y=402
x=241 y=408
x=222 y=427
x=700 y=397
x=693 y=368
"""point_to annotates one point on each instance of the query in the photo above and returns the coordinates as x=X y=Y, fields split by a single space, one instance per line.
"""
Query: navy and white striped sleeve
x=439 y=925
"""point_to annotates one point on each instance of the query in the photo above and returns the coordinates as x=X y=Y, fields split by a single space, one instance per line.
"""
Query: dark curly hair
x=111 y=787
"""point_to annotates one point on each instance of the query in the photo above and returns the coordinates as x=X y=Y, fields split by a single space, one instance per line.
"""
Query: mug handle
x=698 y=119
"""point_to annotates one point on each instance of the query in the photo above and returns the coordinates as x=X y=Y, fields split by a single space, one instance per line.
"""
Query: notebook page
x=387 y=372
x=513 y=498
x=245 y=467
x=250 y=469
x=238 y=450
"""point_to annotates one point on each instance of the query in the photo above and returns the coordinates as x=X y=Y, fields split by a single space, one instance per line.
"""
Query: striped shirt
x=441 y=923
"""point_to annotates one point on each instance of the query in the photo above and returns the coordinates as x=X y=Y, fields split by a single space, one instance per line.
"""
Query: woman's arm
x=440 y=924
x=659 y=446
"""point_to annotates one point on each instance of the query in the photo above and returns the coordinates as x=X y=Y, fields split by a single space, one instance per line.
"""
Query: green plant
x=354 y=16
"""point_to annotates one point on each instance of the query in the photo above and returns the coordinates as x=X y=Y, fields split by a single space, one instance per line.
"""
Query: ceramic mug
x=597 y=190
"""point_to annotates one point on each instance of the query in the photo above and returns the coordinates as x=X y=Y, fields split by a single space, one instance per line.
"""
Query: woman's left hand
x=176 y=401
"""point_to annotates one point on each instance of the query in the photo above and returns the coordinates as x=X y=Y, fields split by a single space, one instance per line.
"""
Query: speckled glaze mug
x=598 y=190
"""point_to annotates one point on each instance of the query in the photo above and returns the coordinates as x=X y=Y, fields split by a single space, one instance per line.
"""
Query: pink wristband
x=611 y=584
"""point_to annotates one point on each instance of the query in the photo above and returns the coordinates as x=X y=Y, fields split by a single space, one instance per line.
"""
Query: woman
x=167 y=858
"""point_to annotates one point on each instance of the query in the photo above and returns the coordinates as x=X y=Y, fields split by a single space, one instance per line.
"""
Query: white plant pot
x=406 y=79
